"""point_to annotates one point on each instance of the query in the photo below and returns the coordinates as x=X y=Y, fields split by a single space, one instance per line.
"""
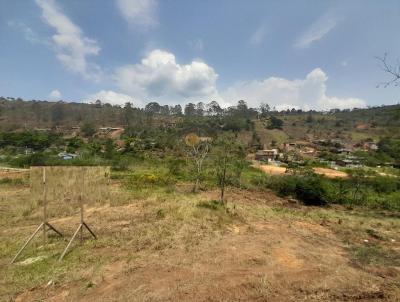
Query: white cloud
x=158 y=76
x=27 y=32
x=55 y=95
x=316 y=32
x=139 y=12
x=111 y=97
x=282 y=93
x=258 y=36
x=71 y=46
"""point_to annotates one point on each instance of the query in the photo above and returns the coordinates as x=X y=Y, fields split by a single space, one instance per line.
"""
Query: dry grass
x=329 y=173
x=66 y=185
x=166 y=244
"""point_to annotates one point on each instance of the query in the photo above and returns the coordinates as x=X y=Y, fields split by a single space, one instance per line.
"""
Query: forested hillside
x=351 y=125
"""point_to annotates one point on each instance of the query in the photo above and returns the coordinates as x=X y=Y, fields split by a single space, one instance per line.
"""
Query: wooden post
x=82 y=223
x=81 y=201
x=44 y=223
x=44 y=205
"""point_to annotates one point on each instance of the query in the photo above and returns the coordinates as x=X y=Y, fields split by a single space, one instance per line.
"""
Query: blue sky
x=302 y=54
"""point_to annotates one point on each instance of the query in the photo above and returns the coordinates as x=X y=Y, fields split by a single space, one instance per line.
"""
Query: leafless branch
x=392 y=70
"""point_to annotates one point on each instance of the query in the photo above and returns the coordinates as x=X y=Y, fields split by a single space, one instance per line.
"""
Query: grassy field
x=157 y=241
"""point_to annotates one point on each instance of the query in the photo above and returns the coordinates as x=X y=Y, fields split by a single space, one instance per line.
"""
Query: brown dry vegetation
x=166 y=244
x=275 y=170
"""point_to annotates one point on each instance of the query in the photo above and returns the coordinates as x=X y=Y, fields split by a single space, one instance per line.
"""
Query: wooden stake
x=44 y=204
x=82 y=223
x=44 y=223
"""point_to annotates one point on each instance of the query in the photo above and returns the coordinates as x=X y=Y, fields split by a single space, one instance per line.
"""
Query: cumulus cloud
x=158 y=76
x=258 y=36
x=139 y=12
x=111 y=97
x=316 y=31
x=72 y=47
x=55 y=95
x=308 y=93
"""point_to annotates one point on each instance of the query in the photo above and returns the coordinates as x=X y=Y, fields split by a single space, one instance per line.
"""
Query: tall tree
x=176 y=110
x=128 y=114
x=190 y=109
x=200 y=109
x=213 y=108
x=264 y=109
x=152 y=108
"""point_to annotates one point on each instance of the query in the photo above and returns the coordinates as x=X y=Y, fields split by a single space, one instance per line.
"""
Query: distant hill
x=351 y=126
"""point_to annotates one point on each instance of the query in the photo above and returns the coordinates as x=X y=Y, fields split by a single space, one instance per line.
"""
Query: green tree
x=264 y=109
x=88 y=130
x=228 y=160
x=190 y=109
x=274 y=123
x=109 y=149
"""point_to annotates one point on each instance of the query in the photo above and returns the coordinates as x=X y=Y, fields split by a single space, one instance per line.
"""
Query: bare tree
x=198 y=150
x=392 y=70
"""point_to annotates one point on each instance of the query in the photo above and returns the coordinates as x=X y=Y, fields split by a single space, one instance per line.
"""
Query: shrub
x=283 y=185
x=174 y=165
x=310 y=189
x=383 y=184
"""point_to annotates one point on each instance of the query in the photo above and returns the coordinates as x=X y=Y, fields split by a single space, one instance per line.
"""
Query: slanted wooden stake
x=82 y=222
x=44 y=223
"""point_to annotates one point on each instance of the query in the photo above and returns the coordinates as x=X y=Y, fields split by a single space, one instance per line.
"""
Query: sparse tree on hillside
x=264 y=109
x=165 y=110
x=190 y=109
x=176 y=110
x=98 y=104
x=200 y=109
x=152 y=108
x=128 y=113
x=229 y=161
x=198 y=150
x=274 y=123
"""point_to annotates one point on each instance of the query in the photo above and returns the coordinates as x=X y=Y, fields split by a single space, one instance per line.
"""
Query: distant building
x=289 y=146
x=348 y=162
x=370 y=146
x=267 y=155
x=67 y=156
x=109 y=129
